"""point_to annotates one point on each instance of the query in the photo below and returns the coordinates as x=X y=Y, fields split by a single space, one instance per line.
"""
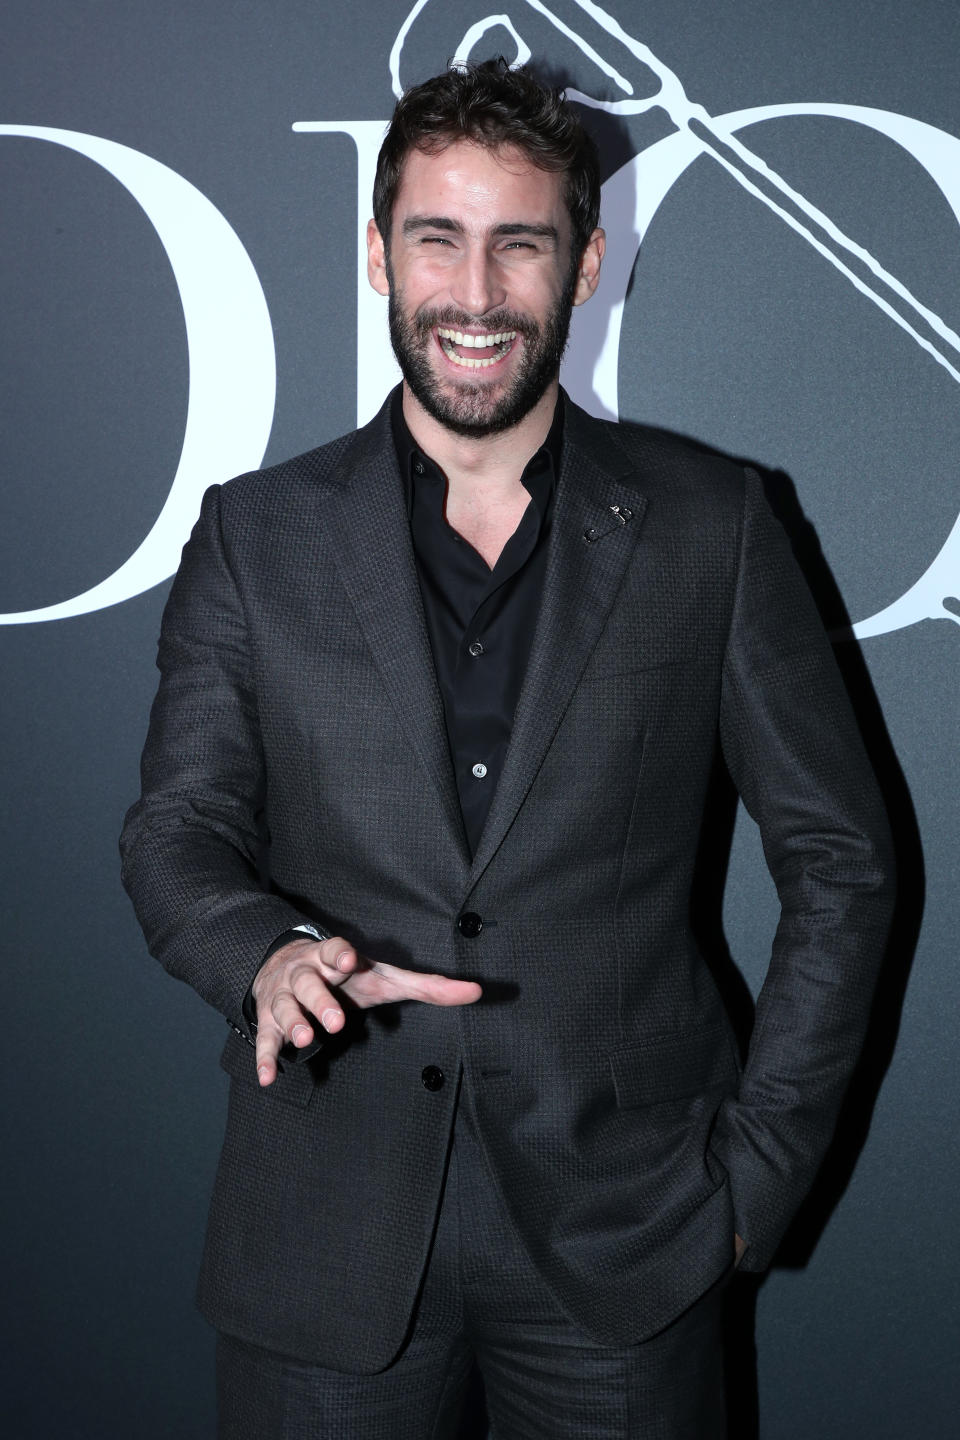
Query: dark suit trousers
x=483 y=1302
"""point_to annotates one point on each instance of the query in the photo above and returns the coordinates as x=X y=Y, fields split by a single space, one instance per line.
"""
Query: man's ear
x=377 y=260
x=588 y=272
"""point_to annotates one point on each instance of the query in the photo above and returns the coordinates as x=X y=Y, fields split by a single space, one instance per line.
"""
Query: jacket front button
x=469 y=925
x=432 y=1077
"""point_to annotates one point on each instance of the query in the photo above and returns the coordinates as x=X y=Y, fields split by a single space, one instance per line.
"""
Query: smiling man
x=423 y=792
x=455 y=258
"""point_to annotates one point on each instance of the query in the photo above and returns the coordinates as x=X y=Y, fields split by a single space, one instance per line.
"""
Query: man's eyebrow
x=413 y=223
x=525 y=227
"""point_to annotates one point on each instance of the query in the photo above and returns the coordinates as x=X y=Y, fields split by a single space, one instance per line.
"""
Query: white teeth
x=476 y=342
x=450 y=338
x=468 y=362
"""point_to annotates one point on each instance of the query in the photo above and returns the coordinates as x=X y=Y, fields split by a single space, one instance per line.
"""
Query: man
x=438 y=710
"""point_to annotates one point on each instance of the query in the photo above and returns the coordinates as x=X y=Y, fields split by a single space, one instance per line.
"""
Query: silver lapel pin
x=621 y=516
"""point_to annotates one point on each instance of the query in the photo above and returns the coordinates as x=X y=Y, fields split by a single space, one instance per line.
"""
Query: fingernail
x=262 y=1073
x=343 y=960
x=300 y=1034
x=330 y=1018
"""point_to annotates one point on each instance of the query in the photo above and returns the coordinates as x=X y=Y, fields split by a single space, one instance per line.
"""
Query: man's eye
x=436 y=240
x=519 y=245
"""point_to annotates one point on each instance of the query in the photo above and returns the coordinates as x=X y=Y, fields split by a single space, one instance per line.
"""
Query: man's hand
x=299 y=982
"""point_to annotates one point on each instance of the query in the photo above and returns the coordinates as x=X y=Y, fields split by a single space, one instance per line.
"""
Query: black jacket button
x=432 y=1077
x=469 y=925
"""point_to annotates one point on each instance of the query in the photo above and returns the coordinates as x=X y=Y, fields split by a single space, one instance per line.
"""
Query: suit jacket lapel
x=595 y=494
x=366 y=518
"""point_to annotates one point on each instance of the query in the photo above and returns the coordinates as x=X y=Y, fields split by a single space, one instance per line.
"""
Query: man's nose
x=478 y=284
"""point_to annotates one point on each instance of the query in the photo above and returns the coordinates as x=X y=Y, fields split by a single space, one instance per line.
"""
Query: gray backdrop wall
x=168 y=238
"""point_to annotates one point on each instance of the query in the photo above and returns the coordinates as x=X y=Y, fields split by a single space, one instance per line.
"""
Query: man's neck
x=488 y=467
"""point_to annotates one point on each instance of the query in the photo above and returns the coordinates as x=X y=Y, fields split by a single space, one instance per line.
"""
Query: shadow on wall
x=885 y=1020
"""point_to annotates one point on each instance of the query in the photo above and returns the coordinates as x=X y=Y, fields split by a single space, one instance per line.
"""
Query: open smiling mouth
x=490 y=348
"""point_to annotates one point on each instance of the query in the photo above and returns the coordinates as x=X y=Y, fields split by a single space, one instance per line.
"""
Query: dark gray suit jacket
x=297 y=770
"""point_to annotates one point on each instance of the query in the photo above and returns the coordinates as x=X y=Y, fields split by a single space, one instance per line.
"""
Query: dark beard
x=468 y=410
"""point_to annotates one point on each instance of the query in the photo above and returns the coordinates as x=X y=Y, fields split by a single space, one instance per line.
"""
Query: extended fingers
x=379 y=984
x=442 y=990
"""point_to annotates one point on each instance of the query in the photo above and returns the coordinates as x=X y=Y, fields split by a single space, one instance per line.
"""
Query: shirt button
x=418 y=467
x=479 y=771
x=432 y=1077
x=469 y=925
x=475 y=648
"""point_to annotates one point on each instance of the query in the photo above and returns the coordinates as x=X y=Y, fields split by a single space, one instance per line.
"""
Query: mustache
x=495 y=320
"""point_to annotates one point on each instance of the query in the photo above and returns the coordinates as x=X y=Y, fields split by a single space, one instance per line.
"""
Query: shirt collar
x=539 y=474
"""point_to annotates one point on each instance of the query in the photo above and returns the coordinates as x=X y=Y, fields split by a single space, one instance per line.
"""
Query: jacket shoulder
x=313 y=468
x=680 y=464
x=304 y=477
x=664 y=465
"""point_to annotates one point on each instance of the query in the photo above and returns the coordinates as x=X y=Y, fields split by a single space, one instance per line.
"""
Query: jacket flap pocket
x=294 y=1082
x=673 y=1066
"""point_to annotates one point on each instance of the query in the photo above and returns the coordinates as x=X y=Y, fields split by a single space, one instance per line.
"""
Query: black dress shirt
x=480 y=622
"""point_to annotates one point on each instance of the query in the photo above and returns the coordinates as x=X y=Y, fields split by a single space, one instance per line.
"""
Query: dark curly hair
x=493 y=105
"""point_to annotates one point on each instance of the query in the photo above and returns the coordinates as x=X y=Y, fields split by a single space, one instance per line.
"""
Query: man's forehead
x=464 y=172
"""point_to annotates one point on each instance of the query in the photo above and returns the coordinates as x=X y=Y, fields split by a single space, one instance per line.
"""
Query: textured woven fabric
x=484 y=1303
x=298 y=709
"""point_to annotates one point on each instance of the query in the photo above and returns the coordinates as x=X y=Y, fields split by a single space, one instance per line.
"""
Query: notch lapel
x=594 y=493
x=366 y=518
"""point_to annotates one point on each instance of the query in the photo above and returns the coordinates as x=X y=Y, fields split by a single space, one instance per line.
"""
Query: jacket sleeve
x=190 y=845
x=792 y=747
